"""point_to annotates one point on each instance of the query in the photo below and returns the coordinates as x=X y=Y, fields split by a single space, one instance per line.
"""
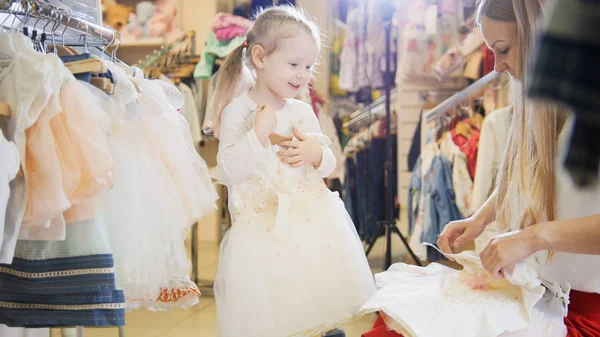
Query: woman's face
x=501 y=37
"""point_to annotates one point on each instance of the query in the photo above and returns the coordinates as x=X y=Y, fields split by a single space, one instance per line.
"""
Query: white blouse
x=581 y=271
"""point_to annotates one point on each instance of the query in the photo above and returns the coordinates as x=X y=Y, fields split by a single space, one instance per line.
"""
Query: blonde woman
x=536 y=203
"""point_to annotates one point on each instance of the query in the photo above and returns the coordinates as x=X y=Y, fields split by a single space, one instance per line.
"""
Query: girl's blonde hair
x=237 y=75
x=528 y=171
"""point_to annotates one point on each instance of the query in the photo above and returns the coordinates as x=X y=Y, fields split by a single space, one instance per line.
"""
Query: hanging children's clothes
x=9 y=166
x=190 y=112
x=468 y=303
x=361 y=55
x=292 y=263
x=493 y=142
x=151 y=142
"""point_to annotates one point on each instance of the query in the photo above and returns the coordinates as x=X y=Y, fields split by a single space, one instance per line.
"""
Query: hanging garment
x=21 y=332
x=415 y=145
x=414 y=196
x=9 y=166
x=63 y=283
x=466 y=303
x=360 y=60
x=225 y=20
x=213 y=49
x=492 y=143
x=190 y=112
x=29 y=81
x=282 y=214
x=440 y=202
x=461 y=179
x=570 y=36
x=161 y=188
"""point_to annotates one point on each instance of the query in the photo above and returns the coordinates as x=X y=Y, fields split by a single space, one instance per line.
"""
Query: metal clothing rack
x=442 y=108
x=63 y=27
x=376 y=108
x=158 y=54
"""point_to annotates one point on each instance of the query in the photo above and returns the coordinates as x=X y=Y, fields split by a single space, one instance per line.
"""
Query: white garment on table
x=461 y=180
x=439 y=301
x=22 y=332
x=292 y=262
x=191 y=113
x=9 y=166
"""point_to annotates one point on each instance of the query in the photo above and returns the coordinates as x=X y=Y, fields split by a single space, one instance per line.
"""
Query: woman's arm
x=577 y=236
x=487 y=212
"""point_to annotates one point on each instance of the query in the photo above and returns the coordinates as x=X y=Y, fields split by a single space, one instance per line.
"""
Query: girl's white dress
x=292 y=264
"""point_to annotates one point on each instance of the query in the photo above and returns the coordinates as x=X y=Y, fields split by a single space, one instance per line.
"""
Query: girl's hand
x=458 y=233
x=265 y=123
x=507 y=249
x=301 y=152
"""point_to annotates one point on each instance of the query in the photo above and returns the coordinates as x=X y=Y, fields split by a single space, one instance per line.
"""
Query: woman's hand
x=458 y=233
x=301 y=152
x=507 y=249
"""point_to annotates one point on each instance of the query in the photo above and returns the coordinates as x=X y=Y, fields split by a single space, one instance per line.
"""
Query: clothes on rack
x=441 y=185
x=227 y=26
x=191 y=112
x=214 y=49
x=363 y=50
x=98 y=170
x=364 y=180
x=21 y=332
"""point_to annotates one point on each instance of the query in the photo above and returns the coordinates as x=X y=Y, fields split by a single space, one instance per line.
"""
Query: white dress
x=292 y=263
x=161 y=187
x=467 y=303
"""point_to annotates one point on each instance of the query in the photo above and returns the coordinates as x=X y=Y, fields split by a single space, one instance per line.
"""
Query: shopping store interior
x=400 y=86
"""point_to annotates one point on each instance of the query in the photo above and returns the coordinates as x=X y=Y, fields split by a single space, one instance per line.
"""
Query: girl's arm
x=239 y=148
x=328 y=162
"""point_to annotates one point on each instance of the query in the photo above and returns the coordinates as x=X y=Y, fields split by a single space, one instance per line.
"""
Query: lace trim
x=63 y=273
x=169 y=295
x=10 y=305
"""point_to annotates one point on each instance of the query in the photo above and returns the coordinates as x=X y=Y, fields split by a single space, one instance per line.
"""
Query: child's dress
x=292 y=263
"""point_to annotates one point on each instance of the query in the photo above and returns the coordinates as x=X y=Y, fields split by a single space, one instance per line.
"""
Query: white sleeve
x=485 y=172
x=309 y=120
x=239 y=148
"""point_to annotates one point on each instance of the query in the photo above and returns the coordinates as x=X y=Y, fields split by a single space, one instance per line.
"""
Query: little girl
x=292 y=263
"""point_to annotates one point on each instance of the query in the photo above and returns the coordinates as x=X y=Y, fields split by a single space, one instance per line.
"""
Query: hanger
x=5 y=110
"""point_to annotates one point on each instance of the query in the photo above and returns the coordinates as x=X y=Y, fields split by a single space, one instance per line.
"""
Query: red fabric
x=380 y=330
x=315 y=99
x=583 y=319
x=469 y=147
x=488 y=60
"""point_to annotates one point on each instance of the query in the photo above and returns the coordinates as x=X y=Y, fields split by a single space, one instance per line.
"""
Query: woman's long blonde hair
x=528 y=172
x=236 y=75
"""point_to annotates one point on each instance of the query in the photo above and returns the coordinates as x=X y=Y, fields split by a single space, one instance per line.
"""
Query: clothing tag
x=431 y=15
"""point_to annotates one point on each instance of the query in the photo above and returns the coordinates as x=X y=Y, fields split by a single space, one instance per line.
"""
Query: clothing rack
x=69 y=28
x=437 y=112
x=64 y=27
x=158 y=54
x=375 y=108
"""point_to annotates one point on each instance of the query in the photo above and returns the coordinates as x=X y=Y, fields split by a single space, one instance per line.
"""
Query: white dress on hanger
x=292 y=264
x=161 y=189
x=9 y=166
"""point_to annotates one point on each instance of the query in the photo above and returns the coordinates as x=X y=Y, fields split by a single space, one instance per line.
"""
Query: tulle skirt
x=306 y=281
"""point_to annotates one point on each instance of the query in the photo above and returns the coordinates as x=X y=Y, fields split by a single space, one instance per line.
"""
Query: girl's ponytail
x=231 y=82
